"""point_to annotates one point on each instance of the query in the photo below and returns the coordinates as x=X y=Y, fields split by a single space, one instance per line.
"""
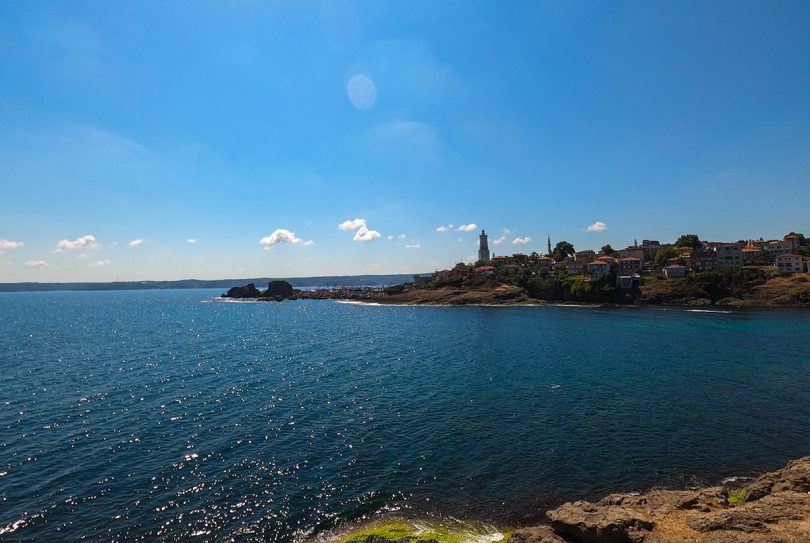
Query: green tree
x=608 y=250
x=562 y=249
x=662 y=255
x=689 y=240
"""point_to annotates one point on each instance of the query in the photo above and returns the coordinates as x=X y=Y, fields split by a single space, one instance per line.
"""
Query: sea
x=176 y=416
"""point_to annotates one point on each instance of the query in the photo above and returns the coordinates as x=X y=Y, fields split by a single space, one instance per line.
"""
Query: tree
x=562 y=249
x=662 y=255
x=689 y=240
x=608 y=250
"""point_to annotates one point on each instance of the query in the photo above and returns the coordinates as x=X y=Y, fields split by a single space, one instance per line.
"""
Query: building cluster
x=629 y=264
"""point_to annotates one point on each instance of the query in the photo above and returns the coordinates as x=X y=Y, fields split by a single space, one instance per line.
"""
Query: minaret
x=549 y=246
x=483 y=247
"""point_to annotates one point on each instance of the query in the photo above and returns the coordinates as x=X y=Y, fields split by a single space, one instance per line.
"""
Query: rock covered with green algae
x=402 y=530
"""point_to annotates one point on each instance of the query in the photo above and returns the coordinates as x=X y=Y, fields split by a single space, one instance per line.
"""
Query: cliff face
x=774 y=509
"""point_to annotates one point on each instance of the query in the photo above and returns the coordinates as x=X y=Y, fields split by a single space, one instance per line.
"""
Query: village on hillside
x=627 y=267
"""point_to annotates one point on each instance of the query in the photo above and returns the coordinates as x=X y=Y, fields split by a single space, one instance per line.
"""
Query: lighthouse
x=483 y=247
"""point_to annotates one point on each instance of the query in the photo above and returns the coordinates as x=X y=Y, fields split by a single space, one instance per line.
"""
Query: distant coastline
x=318 y=281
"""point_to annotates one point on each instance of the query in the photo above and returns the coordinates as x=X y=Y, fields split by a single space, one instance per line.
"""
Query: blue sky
x=226 y=122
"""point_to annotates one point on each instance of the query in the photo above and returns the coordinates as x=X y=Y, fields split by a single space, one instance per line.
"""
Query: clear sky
x=167 y=140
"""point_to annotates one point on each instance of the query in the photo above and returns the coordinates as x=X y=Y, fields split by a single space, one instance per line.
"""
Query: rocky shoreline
x=774 y=508
x=501 y=294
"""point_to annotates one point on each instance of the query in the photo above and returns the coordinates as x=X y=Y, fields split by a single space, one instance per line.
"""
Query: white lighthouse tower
x=483 y=247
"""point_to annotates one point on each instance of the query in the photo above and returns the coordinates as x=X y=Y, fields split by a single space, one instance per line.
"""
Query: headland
x=774 y=508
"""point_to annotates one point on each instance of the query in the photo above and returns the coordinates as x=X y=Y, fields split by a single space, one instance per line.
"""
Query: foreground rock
x=776 y=510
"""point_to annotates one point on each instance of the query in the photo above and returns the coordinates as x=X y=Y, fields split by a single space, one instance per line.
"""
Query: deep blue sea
x=169 y=415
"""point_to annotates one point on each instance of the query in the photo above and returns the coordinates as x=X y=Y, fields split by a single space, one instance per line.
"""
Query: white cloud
x=100 y=263
x=412 y=246
x=527 y=239
x=402 y=236
x=7 y=244
x=443 y=228
x=507 y=231
x=36 y=264
x=598 y=226
x=135 y=242
x=84 y=242
x=467 y=227
x=192 y=241
x=282 y=235
x=390 y=238
x=352 y=225
x=499 y=240
x=362 y=232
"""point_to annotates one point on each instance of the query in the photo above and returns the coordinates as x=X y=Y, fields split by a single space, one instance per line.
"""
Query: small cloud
x=81 y=256
x=412 y=246
x=499 y=240
x=598 y=226
x=282 y=235
x=467 y=227
x=136 y=243
x=507 y=231
x=191 y=241
x=84 y=242
x=10 y=245
x=402 y=236
x=100 y=263
x=390 y=238
x=443 y=228
x=362 y=232
x=516 y=241
x=36 y=264
x=352 y=225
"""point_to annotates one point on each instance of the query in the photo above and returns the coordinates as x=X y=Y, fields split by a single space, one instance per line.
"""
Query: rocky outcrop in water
x=276 y=291
x=776 y=509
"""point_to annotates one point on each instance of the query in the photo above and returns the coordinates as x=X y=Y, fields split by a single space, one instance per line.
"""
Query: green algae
x=422 y=530
x=737 y=497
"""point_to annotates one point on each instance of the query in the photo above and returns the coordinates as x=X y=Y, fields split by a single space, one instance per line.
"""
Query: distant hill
x=324 y=281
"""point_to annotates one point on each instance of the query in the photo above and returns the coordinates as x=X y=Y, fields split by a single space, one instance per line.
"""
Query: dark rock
x=591 y=523
x=247 y=291
x=536 y=534
x=793 y=477
x=279 y=288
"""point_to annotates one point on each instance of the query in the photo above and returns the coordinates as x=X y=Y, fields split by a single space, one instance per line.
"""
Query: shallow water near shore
x=168 y=415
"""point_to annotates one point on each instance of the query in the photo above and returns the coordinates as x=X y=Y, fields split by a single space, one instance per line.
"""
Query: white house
x=672 y=272
x=789 y=263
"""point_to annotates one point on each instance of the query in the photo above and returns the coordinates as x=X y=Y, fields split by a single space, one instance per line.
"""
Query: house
x=751 y=254
x=585 y=256
x=545 y=263
x=520 y=258
x=807 y=265
x=793 y=239
x=485 y=270
x=598 y=269
x=573 y=267
x=775 y=248
x=609 y=259
x=628 y=280
x=650 y=247
x=630 y=264
x=729 y=254
x=633 y=252
x=673 y=272
x=790 y=263
x=701 y=260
